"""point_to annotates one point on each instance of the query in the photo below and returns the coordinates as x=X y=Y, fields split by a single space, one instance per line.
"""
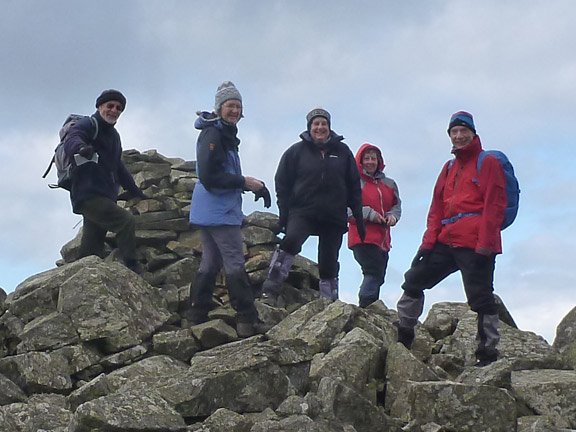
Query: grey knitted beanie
x=226 y=91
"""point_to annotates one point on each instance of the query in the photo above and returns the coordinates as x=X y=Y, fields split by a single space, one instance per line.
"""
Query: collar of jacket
x=102 y=124
x=469 y=151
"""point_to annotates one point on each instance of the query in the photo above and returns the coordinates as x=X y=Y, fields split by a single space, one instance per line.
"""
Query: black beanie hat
x=111 y=95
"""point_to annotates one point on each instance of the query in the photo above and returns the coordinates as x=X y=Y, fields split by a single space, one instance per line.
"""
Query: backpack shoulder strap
x=95 y=126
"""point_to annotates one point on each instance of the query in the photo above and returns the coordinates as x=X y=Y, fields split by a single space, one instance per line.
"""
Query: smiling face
x=461 y=136
x=110 y=111
x=370 y=161
x=231 y=111
x=319 y=129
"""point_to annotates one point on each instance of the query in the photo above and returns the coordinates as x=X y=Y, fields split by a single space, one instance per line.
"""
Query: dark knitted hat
x=111 y=95
x=462 y=118
x=226 y=91
x=317 y=112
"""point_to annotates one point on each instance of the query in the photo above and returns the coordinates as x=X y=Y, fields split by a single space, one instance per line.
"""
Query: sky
x=390 y=73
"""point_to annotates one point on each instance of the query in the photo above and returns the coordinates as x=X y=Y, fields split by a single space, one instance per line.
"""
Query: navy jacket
x=319 y=184
x=102 y=179
x=217 y=197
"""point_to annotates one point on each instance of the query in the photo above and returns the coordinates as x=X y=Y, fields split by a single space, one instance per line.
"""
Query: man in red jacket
x=381 y=209
x=462 y=234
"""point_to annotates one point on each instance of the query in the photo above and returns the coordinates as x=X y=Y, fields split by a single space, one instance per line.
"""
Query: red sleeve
x=436 y=212
x=492 y=183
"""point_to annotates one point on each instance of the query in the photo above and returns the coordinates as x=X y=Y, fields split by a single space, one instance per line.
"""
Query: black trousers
x=372 y=260
x=299 y=228
x=100 y=216
x=477 y=275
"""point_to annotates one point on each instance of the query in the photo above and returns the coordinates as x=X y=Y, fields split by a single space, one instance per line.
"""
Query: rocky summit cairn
x=92 y=346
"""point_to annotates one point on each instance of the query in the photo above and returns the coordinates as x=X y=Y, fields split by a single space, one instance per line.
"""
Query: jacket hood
x=469 y=151
x=360 y=152
x=207 y=119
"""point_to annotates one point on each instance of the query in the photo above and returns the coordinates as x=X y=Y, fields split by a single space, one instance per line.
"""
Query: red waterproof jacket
x=468 y=207
x=379 y=194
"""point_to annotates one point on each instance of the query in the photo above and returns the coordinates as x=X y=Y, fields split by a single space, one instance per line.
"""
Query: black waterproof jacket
x=318 y=184
x=102 y=179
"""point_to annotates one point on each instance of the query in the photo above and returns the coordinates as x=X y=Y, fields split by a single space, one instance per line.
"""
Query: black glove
x=86 y=151
x=361 y=229
x=421 y=256
x=263 y=193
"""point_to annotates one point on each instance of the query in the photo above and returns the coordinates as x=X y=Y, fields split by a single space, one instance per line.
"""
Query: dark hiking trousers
x=222 y=246
x=477 y=275
x=100 y=216
x=329 y=241
x=373 y=261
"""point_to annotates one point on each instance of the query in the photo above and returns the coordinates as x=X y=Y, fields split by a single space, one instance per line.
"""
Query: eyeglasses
x=118 y=107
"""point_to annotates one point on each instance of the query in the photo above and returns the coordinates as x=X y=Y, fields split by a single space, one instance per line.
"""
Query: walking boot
x=280 y=265
x=406 y=335
x=488 y=337
x=201 y=291
x=410 y=307
x=249 y=329
x=325 y=288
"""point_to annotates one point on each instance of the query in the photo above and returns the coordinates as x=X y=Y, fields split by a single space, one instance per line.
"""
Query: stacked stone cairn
x=92 y=346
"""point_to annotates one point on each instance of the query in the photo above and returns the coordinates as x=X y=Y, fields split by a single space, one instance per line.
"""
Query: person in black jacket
x=96 y=178
x=316 y=181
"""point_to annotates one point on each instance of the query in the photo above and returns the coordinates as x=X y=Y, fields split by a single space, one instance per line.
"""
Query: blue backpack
x=512 y=186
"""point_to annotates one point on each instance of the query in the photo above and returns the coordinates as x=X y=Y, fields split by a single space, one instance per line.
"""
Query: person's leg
x=230 y=244
x=108 y=216
x=297 y=233
x=373 y=262
x=93 y=237
x=478 y=278
x=329 y=242
x=202 y=288
x=422 y=275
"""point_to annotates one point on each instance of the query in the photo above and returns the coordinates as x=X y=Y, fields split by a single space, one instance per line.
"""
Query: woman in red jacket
x=381 y=209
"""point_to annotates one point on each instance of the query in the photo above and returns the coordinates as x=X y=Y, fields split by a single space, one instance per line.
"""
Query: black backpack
x=63 y=164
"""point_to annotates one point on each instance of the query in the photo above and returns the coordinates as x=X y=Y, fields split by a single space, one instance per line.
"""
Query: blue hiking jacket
x=217 y=197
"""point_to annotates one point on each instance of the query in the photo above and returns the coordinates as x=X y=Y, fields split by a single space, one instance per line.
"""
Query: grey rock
x=111 y=304
x=458 y=407
x=551 y=393
x=48 y=332
x=214 y=333
x=180 y=344
x=145 y=411
x=565 y=341
x=10 y=392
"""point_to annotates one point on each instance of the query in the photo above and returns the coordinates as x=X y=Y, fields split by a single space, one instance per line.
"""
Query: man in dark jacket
x=96 y=178
x=462 y=234
x=316 y=181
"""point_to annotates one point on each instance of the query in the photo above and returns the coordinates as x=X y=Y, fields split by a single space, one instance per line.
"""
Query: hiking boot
x=406 y=335
x=488 y=337
x=272 y=300
x=245 y=329
x=134 y=265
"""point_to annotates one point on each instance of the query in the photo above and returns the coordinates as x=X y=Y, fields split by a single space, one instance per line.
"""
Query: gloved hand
x=421 y=256
x=361 y=229
x=263 y=193
x=86 y=151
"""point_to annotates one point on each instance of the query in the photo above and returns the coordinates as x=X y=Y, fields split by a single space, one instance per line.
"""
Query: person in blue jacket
x=216 y=208
x=96 y=179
